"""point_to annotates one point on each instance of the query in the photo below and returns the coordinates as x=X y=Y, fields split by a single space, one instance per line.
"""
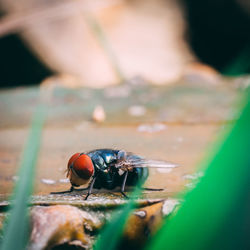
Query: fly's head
x=80 y=169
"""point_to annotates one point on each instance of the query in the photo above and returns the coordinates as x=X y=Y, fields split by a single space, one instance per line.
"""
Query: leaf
x=215 y=215
x=16 y=227
x=111 y=234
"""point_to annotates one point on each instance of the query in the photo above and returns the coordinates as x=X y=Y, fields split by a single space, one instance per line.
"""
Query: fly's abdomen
x=142 y=173
x=138 y=174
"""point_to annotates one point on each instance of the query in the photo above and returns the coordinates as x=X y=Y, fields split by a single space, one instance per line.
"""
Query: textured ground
x=174 y=123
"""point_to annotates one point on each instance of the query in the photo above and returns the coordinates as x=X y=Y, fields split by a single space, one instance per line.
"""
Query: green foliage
x=215 y=215
x=111 y=234
x=16 y=227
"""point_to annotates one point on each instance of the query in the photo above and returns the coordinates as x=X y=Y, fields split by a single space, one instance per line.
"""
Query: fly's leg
x=153 y=189
x=64 y=192
x=90 y=188
x=123 y=184
x=70 y=191
x=81 y=189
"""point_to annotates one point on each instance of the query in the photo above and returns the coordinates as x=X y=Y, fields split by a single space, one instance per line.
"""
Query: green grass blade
x=16 y=227
x=111 y=234
x=215 y=215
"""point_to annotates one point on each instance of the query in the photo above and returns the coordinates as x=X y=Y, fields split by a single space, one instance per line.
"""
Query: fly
x=108 y=168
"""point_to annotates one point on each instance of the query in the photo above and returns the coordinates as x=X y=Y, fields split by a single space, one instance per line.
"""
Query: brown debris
x=143 y=223
x=60 y=225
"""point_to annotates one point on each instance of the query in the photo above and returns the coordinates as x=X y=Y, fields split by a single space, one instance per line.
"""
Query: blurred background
x=97 y=43
x=99 y=63
x=160 y=78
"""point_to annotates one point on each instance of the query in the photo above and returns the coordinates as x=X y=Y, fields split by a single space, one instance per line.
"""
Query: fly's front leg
x=90 y=188
x=64 y=192
x=123 y=184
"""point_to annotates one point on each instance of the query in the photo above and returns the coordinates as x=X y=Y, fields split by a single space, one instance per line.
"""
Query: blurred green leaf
x=111 y=234
x=215 y=215
x=16 y=228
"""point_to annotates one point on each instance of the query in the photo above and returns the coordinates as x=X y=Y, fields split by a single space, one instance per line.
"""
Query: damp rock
x=99 y=114
x=59 y=225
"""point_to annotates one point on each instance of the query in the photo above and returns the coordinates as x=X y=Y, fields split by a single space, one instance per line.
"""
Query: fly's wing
x=128 y=161
x=144 y=163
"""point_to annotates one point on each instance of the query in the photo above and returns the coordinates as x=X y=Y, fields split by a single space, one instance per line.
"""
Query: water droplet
x=142 y=214
x=48 y=181
x=152 y=128
x=137 y=110
x=180 y=139
x=64 y=180
x=15 y=178
x=193 y=176
x=99 y=114
x=164 y=170
x=169 y=205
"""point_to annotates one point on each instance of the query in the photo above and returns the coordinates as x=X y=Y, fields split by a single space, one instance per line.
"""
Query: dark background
x=218 y=33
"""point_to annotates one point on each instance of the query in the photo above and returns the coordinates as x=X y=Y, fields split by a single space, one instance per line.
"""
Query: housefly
x=108 y=168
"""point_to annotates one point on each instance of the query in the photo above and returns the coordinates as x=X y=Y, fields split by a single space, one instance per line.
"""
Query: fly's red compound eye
x=83 y=166
x=72 y=159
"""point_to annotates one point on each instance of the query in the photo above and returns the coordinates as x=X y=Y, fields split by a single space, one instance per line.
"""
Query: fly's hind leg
x=123 y=184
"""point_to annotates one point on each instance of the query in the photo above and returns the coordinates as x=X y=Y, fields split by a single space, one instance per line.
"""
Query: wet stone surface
x=175 y=123
x=128 y=104
x=181 y=144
